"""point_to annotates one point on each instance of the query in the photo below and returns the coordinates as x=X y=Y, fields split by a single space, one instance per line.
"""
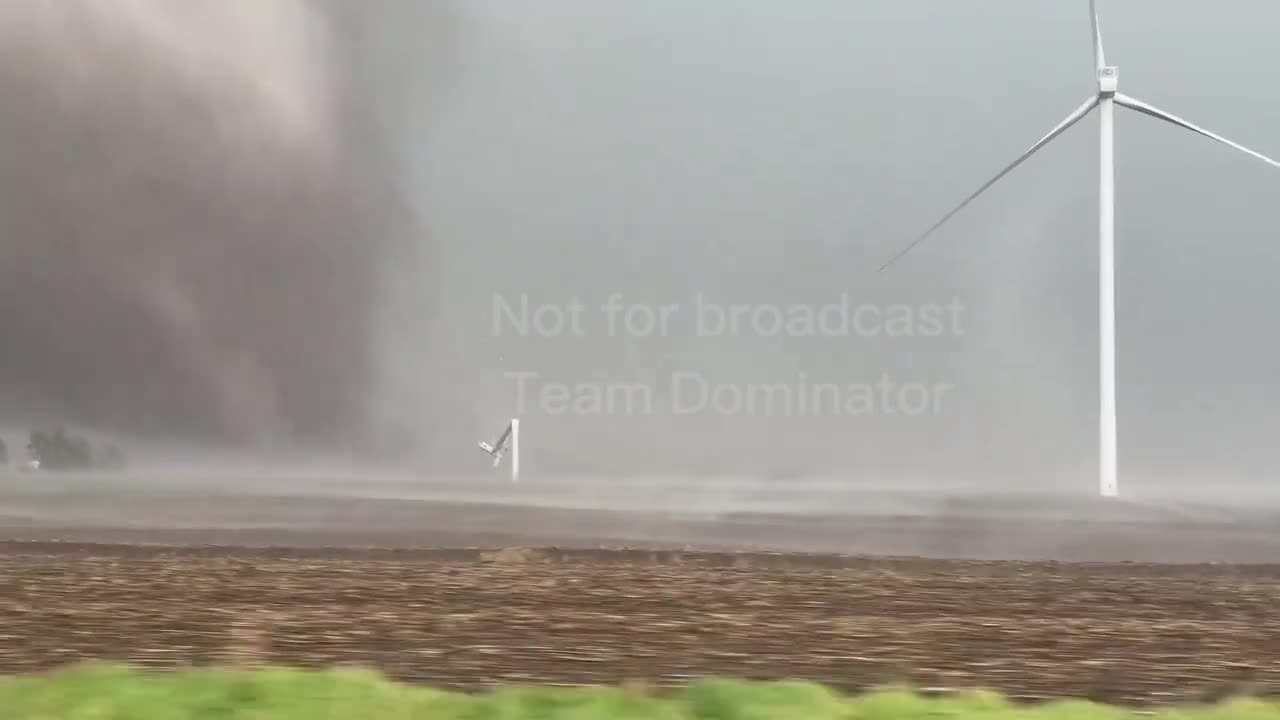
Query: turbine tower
x=1105 y=99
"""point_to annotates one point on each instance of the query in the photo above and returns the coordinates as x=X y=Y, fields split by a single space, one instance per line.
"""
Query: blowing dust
x=191 y=242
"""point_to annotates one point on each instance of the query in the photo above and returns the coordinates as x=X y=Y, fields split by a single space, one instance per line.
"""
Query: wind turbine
x=1105 y=99
x=508 y=440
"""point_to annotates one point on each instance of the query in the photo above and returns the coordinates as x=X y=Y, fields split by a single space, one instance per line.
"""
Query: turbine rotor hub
x=1108 y=80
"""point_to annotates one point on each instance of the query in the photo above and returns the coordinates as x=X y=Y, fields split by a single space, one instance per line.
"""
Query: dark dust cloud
x=194 y=220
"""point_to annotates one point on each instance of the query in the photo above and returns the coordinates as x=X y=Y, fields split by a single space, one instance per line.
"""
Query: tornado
x=190 y=242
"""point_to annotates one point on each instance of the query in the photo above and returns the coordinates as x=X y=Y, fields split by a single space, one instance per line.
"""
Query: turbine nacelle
x=1108 y=79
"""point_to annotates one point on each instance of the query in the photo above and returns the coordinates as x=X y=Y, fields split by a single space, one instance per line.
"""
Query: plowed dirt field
x=466 y=619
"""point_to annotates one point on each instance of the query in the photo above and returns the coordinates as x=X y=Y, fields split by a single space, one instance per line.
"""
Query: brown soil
x=468 y=618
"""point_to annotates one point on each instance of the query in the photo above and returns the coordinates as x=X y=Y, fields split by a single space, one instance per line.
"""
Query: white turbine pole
x=1107 y=448
x=515 y=450
x=1108 y=79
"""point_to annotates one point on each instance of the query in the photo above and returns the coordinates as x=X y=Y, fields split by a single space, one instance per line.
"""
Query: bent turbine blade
x=1071 y=119
x=1099 y=58
x=1145 y=109
x=502 y=439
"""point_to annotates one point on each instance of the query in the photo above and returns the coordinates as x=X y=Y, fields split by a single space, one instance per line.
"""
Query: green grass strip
x=97 y=692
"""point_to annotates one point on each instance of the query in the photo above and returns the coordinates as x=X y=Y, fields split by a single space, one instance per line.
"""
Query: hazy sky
x=766 y=152
x=744 y=151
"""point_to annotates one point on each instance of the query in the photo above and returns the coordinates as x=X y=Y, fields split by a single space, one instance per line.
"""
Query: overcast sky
x=207 y=170
x=767 y=152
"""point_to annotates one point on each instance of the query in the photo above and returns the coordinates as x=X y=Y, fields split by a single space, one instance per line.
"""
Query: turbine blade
x=1070 y=120
x=1099 y=58
x=1144 y=108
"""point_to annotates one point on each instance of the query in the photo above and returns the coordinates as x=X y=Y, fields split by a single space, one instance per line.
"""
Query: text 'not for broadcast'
x=705 y=318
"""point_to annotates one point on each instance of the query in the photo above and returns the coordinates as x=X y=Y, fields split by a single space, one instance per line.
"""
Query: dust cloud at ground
x=197 y=215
